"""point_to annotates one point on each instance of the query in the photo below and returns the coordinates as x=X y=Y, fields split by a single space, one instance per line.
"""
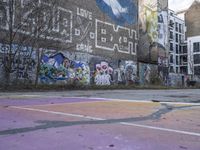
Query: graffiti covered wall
x=148 y=30
x=56 y=67
x=22 y=65
x=78 y=33
x=121 y=72
x=147 y=72
x=153 y=30
x=95 y=27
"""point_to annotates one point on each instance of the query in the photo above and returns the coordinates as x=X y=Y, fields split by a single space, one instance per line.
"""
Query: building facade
x=192 y=19
x=69 y=42
x=178 y=60
x=177 y=48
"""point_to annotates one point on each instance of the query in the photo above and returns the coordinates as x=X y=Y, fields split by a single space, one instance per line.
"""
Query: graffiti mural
x=153 y=26
x=119 y=73
x=103 y=74
x=130 y=72
x=57 y=68
x=120 y=11
x=163 y=28
x=147 y=72
x=125 y=73
x=72 y=35
x=148 y=30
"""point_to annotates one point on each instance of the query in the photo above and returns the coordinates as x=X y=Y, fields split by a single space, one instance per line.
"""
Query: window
x=176 y=69
x=171 y=47
x=177 y=49
x=176 y=26
x=176 y=38
x=196 y=47
x=197 y=59
x=177 y=60
x=180 y=38
x=180 y=28
x=180 y=49
x=171 y=35
x=171 y=59
x=171 y=23
x=171 y=69
x=197 y=70
x=185 y=49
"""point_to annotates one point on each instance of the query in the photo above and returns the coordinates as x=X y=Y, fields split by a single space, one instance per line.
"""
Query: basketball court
x=31 y=122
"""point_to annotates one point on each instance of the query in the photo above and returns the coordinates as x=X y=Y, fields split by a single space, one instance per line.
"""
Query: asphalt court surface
x=95 y=123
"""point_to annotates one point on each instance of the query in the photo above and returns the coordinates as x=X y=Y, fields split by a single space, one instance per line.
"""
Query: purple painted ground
x=42 y=101
x=29 y=130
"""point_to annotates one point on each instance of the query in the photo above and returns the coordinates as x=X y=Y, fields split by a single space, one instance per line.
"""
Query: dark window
x=171 y=23
x=197 y=70
x=171 y=35
x=176 y=26
x=171 y=47
x=176 y=60
x=180 y=49
x=185 y=49
x=160 y=18
x=180 y=28
x=171 y=59
x=171 y=69
x=177 y=49
x=177 y=38
x=176 y=69
x=196 y=47
x=197 y=59
x=183 y=70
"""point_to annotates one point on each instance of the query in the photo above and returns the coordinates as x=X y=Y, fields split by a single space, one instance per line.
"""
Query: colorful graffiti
x=130 y=72
x=126 y=73
x=120 y=11
x=148 y=27
x=56 y=68
x=148 y=18
x=103 y=74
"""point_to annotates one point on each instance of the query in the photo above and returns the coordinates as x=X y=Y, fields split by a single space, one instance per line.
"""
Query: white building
x=193 y=55
x=177 y=45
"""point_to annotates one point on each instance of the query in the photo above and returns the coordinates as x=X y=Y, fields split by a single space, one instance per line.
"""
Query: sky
x=178 y=5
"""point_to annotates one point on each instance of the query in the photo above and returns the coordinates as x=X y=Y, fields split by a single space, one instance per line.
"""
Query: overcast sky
x=177 y=5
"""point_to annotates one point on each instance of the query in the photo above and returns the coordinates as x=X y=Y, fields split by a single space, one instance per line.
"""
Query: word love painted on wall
x=84 y=13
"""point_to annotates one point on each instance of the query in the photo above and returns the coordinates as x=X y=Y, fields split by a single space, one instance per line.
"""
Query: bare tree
x=24 y=24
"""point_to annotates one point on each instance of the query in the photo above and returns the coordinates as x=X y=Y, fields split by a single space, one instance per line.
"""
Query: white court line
x=56 y=113
x=122 y=123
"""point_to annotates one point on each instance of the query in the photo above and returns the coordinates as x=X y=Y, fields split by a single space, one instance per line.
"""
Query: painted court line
x=122 y=123
x=136 y=101
x=57 y=113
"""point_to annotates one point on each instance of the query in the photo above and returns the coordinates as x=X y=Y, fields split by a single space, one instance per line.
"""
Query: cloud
x=177 y=5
